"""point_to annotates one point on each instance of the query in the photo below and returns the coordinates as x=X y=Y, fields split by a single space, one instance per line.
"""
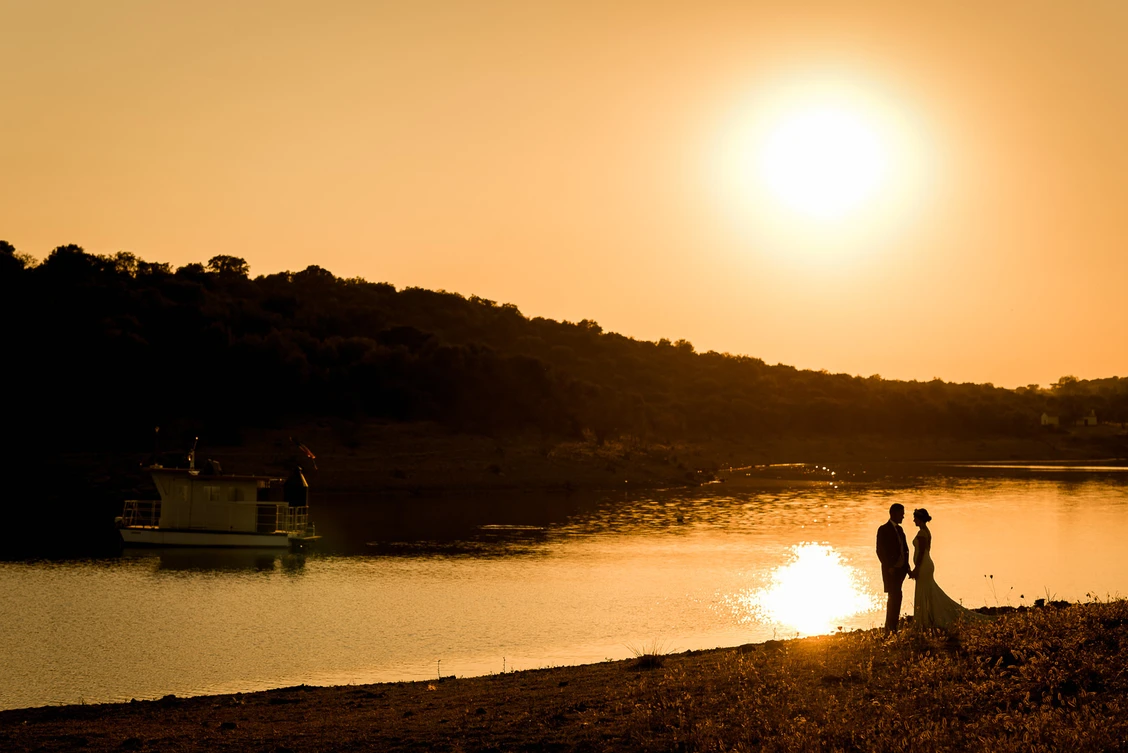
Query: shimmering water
x=411 y=590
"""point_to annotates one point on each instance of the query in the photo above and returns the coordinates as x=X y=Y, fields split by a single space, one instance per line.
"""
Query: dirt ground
x=588 y=707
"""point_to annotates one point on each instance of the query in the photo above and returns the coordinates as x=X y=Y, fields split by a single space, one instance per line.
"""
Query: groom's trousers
x=893 y=583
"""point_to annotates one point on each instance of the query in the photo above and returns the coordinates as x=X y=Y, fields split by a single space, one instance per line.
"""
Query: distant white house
x=1048 y=420
x=1089 y=420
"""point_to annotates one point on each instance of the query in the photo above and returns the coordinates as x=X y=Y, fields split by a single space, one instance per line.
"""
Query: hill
x=118 y=345
x=102 y=349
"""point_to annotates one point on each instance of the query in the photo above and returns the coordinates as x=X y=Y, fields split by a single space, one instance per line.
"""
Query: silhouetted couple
x=932 y=608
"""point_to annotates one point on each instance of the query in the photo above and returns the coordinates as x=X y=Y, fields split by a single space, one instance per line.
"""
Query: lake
x=414 y=589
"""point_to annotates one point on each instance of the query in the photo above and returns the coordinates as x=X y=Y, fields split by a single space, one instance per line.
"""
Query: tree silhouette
x=117 y=343
x=10 y=263
x=228 y=266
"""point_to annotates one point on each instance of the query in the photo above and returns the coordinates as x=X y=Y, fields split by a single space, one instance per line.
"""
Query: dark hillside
x=108 y=347
x=100 y=350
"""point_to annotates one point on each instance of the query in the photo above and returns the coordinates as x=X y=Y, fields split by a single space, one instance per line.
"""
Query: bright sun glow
x=823 y=162
x=814 y=593
x=818 y=167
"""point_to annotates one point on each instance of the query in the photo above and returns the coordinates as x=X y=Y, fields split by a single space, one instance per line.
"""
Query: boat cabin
x=218 y=503
x=205 y=501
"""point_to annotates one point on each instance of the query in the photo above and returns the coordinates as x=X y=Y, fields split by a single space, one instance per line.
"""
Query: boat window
x=211 y=493
x=235 y=494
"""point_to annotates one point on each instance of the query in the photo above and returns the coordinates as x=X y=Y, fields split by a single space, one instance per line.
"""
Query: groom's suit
x=893 y=551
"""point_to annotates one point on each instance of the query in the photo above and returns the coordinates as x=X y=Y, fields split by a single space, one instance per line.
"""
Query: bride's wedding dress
x=933 y=608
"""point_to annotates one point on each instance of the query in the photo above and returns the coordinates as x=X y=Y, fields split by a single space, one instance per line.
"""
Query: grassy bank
x=1037 y=679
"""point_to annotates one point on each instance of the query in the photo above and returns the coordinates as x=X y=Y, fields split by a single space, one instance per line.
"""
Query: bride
x=933 y=607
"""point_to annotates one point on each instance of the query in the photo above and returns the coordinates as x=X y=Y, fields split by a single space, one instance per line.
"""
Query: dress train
x=933 y=608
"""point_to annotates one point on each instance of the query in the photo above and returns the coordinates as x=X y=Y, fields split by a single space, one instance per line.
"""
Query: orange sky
x=561 y=157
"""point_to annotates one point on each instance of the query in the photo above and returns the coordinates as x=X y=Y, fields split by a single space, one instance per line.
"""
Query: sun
x=823 y=162
x=817 y=168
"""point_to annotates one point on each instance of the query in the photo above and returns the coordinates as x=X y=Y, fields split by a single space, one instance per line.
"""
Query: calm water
x=410 y=590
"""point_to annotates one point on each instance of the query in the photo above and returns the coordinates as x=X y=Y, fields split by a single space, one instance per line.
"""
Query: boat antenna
x=155 y=461
x=192 y=454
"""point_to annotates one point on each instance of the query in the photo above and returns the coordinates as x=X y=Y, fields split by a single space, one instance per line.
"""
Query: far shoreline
x=384 y=459
x=384 y=463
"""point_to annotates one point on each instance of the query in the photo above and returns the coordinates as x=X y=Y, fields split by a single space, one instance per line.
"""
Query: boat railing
x=141 y=512
x=294 y=520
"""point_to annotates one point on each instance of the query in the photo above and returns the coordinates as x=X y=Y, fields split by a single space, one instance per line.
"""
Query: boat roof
x=198 y=473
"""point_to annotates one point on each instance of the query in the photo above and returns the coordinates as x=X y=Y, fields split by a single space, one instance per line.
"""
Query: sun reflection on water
x=813 y=593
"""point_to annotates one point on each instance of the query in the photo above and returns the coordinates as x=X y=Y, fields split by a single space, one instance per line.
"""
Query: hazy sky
x=598 y=160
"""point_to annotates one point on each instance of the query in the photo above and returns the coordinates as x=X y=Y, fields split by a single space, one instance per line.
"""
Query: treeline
x=102 y=348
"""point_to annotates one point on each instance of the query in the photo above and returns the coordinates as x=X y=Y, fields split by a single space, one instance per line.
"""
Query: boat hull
x=146 y=536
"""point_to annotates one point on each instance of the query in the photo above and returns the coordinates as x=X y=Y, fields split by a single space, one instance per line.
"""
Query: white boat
x=210 y=509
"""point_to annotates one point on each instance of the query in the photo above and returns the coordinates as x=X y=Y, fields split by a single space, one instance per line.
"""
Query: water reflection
x=527 y=580
x=813 y=593
x=484 y=541
x=189 y=559
x=472 y=548
x=357 y=524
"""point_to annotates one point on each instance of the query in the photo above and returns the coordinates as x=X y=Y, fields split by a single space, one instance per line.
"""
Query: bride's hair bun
x=921 y=514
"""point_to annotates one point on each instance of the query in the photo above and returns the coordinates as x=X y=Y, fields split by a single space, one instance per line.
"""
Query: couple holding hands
x=932 y=607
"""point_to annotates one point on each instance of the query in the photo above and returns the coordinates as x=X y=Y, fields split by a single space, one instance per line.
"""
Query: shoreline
x=744 y=647
x=1033 y=677
x=383 y=459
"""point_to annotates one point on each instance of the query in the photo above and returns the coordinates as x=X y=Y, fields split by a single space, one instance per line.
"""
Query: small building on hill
x=1089 y=420
x=1048 y=420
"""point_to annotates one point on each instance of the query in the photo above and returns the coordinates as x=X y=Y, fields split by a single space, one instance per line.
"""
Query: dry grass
x=649 y=655
x=1046 y=679
x=1041 y=679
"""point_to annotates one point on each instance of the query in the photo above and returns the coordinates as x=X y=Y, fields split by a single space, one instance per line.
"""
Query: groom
x=893 y=552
